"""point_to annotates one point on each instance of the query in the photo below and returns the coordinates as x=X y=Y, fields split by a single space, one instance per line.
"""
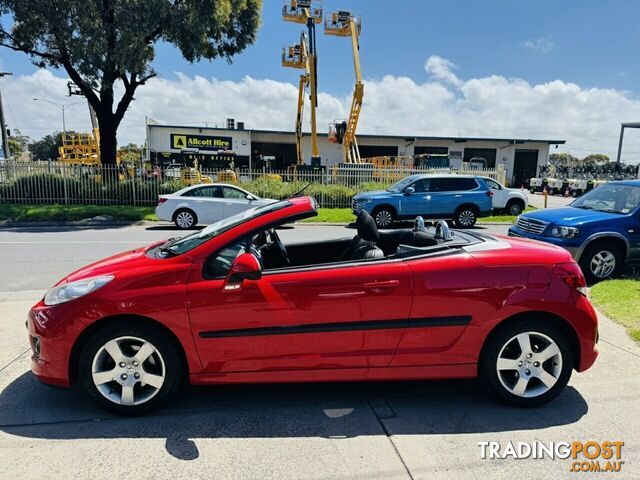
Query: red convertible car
x=232 y=304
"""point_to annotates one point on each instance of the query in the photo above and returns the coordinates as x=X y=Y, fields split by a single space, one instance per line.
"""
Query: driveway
x=323 y=431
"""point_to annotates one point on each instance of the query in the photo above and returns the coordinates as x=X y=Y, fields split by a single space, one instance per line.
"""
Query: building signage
x=453 y=154
x=200 y=142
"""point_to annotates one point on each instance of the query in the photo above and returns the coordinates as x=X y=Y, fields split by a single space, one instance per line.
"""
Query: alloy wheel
x=602 y=264
x=383 y=218
x=184 y=219
x=128 y=370
x=529 y=364
x=466 y=218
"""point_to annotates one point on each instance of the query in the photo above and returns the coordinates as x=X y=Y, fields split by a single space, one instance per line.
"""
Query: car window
x=219 y=265
x=492 y=183
x=230 y=192
x=204 y=192
x=452 y=184
x=421 y=185
x=610 y=197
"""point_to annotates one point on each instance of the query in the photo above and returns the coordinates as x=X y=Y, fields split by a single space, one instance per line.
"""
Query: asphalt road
x=394 y=430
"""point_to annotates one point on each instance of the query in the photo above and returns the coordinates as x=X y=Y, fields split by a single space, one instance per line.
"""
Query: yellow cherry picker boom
x=295 y=56
x=344 y=24
x=304 y=55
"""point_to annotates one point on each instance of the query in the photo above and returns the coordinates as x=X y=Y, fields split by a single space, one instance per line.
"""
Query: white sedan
x=513 y=200
x=205 y=203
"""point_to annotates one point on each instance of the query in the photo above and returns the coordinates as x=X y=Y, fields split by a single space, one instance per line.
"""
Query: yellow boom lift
x=304 y=56
x=295 y=56
x=344 y=24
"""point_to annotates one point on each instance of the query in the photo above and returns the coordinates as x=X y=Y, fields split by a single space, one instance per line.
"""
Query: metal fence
x=56 y=182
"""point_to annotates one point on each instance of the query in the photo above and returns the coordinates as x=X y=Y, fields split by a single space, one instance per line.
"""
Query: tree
x=18 y=145
x=47 y=147
x=108 y=45
x=563 y=159
x=596 y=159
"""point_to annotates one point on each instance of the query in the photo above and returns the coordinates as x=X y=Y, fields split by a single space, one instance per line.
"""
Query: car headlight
x=72 y=290
x=564 y=232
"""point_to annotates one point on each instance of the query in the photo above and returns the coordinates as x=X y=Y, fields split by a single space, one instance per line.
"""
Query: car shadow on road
x=329 y=410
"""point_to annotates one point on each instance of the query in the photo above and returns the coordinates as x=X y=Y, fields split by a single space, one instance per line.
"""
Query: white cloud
x=444 y=104
x=543 y=44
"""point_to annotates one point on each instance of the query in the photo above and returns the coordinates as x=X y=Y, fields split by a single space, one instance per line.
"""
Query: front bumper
x=50 y=345
x=571 y=245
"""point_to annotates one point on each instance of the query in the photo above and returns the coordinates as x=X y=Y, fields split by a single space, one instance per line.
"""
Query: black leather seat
x=365 y=244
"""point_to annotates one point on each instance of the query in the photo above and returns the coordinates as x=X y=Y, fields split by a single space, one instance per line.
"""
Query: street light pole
x=5 y=139
x=61 y=107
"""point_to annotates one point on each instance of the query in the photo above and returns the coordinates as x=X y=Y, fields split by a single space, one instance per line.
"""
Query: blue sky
x=592 y=43
x=528 y=69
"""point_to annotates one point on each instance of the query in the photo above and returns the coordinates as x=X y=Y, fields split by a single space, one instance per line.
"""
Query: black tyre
x=185 y=219
x=384 y=217
x=130 y=369
x=526 y=364
x=466 y=217
x=599 y=261
x=515 y=207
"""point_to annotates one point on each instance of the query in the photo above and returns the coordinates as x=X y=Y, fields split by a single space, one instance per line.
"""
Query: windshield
x=402 y=184
x=610 y=197
x=184 y=244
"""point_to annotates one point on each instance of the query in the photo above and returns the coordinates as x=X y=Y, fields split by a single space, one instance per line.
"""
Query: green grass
x=333 y=215
x=619 y=299
x=502 y=218
x=62 y=213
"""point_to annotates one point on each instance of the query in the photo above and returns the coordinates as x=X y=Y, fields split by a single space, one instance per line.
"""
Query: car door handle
x=458 y=196
x=382 y=284
x=341 y=295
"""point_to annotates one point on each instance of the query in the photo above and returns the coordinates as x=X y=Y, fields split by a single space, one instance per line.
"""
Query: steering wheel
x=279 y=247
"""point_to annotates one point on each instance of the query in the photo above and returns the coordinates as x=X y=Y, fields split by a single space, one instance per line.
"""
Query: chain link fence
x=61 y=183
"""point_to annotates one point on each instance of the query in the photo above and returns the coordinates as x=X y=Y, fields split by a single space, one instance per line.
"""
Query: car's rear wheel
x=599 y=261
x=515 y=207
x=130 y=369
x=383 y=217
x=527 y=363
x=185 y=218
x=466 y=217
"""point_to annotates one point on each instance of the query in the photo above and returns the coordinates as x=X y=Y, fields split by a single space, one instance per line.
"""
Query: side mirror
x=245 y=267
x=250 y=197
x=409 y=190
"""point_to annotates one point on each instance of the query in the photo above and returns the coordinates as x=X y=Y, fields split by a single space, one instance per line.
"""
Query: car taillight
x=489 y=193
x=571 y=274
x=161 y=200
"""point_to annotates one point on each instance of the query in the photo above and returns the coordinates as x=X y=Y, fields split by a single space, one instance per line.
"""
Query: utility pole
x=5 y=138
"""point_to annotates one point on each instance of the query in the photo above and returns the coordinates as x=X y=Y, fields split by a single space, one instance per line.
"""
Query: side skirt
x=430 y=372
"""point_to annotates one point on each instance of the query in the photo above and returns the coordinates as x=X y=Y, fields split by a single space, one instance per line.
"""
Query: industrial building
x=256 y=149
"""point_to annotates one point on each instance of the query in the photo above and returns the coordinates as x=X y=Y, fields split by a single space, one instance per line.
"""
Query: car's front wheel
x=599 y=261
x=465 y=217
x=185 y=218
x=383 y=217
x=130 y=369
x=527 y=363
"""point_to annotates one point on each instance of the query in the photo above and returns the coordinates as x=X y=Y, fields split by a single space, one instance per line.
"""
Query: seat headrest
x=367 y=229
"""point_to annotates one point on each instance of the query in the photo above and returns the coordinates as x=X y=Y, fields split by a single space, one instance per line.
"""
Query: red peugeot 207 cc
x=232 y=304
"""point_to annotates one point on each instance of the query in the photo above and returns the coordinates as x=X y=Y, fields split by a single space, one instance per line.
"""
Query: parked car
x=232 y=304
x=511 y=200
x=205 y=203
x=462 y=198
x=601 y=229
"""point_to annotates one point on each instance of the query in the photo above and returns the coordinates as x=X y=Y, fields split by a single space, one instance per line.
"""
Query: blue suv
x=459 y=197
x=601 y=229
